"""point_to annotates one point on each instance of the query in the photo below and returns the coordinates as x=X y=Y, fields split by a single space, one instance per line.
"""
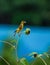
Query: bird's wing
x=21 y=26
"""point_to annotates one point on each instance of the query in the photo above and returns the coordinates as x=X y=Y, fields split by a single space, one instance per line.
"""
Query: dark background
x=35 y=12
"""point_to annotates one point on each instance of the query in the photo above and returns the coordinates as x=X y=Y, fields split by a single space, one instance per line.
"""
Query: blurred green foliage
x=9 y=54
x=33 y=11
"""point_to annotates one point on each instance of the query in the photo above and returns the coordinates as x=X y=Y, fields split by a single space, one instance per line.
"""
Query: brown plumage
x=21 y=26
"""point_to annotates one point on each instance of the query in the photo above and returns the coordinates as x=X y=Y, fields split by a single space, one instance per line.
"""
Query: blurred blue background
x=37 y=41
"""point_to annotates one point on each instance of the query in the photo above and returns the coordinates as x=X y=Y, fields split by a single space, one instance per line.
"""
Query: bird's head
x=23 y=22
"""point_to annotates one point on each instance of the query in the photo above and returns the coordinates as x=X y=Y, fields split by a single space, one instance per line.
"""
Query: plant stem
x=43 y=60
x=5 y=60
x=46 y=55
x=17 y=48
x=8 y=43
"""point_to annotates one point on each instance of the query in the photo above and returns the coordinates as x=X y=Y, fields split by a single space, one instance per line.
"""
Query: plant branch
x=8 y=43
x=43 y=60
x=5 y=60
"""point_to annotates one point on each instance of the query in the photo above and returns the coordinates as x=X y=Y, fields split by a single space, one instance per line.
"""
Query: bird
x=21 y=26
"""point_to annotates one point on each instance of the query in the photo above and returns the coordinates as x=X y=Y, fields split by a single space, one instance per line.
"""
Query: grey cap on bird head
x=23 y=22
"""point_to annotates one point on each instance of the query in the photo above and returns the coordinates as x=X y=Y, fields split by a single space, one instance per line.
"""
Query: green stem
x=8 y=43
x=46 y=55
x=17 y=48
x=5 y=60
x=43 y=60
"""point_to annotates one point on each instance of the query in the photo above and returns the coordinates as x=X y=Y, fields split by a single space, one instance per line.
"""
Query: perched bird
x=21 y=26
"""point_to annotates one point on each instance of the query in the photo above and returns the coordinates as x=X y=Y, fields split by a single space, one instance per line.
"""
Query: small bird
x=21 y=26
